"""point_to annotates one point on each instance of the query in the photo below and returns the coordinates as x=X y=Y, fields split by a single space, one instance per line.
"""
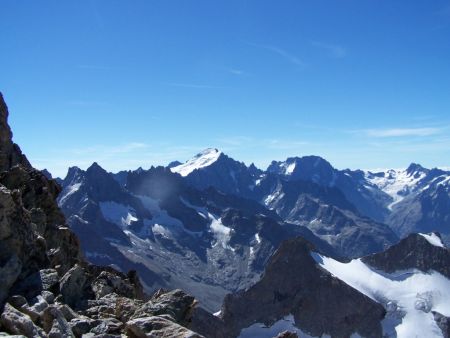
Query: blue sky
x=365 y=84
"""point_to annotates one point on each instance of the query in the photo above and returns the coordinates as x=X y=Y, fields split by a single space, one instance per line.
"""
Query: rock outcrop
x=294 y=284
x=49 y=290
x=413 y=252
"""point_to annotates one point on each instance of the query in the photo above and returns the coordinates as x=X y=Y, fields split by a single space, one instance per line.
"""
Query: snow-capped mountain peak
x=201 y=160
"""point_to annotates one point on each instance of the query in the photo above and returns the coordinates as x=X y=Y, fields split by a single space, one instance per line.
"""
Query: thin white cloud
x=402 y=132
x=281 y=52
x=336 y=51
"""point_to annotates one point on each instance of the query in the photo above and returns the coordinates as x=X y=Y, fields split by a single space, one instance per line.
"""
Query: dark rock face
x=413 y=252
x=425 y=210
x=287 y=334
x=47 y=289
x=352 y=184
x=33 y=233
x=224 y=174
x=294 y=284
x=443 y=323
x=327 y=213
x=10 y=153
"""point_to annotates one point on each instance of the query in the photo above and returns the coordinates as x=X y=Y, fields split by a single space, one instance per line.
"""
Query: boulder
x=82 y=325
x=18 y=323
x=73 y=285
x=157 y=326
x=108 y=326
x=176 y=304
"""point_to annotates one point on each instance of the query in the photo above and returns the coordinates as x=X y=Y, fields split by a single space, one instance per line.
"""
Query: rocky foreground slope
x=49 y=290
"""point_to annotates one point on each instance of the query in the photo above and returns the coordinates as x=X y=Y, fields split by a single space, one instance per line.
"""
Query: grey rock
x=67 y=312
x=293 y=283
x=108 y=326
x=19 y=323
x=82 y=325
x=176 y=304
x=48 y=296
x=51 y=318
x=72 y=286
x=412 y=252
x=9 y=273
x=156 y=326
x=443 y=323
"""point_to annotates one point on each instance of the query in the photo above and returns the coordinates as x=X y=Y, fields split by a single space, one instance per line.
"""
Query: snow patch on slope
x=285 y=324
x=119 y=214
x=412 y=293
x=221 y=233
x=397 y=183
x=68 y=191
x=161 y=223
x=433 y=239
x=201 y=160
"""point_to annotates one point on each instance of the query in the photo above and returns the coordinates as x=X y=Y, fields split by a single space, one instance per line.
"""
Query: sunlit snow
x=396 y=183
x=220 y=232
x=68 y=191
x=119 y=214
x=285 y=324
x=201 y=160
x=413 y=293
x=433 y=239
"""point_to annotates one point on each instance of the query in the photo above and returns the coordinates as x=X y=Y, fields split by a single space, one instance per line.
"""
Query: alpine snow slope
x=314 y=295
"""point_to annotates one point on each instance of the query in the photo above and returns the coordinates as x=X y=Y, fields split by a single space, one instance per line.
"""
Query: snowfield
x=397 y=183
x=409 y=296
x=68 y=191
x=433 y=239
x=119 y=214
x=259 y=330
x=201 y=160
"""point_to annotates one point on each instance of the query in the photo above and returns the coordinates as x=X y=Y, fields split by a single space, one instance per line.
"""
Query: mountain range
x=210 y=224
x=301 y=249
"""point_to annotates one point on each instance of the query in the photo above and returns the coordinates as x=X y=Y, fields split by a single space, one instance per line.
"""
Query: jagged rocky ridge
x=49 y=290
x=205 y=242
x=408 y=200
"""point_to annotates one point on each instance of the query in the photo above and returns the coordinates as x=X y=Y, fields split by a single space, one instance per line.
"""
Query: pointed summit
x=203 y=159
x=415 y=169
